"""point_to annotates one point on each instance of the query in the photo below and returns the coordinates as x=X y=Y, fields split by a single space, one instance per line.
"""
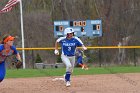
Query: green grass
x=22 y=73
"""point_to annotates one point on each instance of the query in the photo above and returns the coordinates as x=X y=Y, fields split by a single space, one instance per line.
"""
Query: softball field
x=105 y=83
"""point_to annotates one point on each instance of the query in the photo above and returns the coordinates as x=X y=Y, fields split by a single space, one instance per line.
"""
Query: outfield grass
x=22 y=73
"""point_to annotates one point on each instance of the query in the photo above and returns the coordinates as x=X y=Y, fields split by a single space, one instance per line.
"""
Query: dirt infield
x=107 y=83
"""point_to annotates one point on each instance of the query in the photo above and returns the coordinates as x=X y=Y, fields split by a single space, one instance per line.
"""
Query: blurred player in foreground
x=80 y=56
x=68 y=46
x=6 y=49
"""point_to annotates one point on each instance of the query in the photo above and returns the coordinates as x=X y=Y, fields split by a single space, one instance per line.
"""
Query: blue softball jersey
x=3 y=56
x=69 y=45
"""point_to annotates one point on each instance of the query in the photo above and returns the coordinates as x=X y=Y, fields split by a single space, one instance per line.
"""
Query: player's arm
x=56 y=51
x=18 y=63
x=83 y=54
x=56 y=48
x=56 y=45
x=78 y=39
x=18 y=57
x=83 y=46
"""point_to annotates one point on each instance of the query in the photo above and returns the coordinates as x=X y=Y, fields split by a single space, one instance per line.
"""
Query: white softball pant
x=69 y=61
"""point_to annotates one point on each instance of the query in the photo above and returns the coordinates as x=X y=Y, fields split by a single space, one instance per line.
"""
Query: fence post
x=100 y=63
x=135 y=63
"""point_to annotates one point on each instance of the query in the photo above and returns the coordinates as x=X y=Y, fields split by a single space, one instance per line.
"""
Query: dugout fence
x=100 y=55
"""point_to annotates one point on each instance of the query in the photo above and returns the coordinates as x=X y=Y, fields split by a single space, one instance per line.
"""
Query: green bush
x=38 y=59
x=59 y=59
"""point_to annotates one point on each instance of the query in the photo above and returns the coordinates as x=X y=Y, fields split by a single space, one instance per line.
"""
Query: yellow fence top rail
x=92 y=47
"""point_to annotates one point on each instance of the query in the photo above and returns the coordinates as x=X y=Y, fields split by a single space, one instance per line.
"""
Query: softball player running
x=6 y=49
x=79 y=56
x=68 y=46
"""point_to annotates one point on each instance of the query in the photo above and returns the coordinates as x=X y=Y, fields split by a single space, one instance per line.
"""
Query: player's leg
x=72 y=60
x=79 y=61
x=66 y=61
x=2 y=71
x=84 y=65
x=70 y=70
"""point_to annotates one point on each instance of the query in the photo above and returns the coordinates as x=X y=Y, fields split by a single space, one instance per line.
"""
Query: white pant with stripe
x=69 y=61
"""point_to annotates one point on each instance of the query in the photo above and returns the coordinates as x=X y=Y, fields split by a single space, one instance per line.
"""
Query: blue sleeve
x=79 y=43
x=1 y=47
x=60 y=42
x=60 y=39
x=15 y=50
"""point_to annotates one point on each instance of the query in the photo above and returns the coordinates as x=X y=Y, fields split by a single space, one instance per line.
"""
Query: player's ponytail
x=1 y=42
x=5 y=36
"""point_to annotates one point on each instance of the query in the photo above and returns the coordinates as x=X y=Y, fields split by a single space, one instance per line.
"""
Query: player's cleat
x=86 y=68
x=83 y=66
x=68 y=84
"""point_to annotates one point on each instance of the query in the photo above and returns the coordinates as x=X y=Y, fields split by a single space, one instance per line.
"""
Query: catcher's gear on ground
x=18 y=64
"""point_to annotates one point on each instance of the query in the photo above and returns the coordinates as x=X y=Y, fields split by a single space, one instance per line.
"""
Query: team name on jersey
x=69 y=44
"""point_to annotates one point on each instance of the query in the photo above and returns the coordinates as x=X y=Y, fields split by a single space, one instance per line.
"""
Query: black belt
x=69 y=55
x=1 y=62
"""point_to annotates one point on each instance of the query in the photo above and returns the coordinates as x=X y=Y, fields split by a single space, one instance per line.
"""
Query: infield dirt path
x=106 y=83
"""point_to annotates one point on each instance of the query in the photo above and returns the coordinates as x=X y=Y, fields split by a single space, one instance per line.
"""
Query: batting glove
x=56 y=52
x=84 y=48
